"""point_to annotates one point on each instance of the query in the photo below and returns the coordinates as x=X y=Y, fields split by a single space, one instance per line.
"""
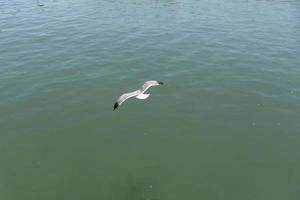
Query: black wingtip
x=160 y=83
x=116 y=105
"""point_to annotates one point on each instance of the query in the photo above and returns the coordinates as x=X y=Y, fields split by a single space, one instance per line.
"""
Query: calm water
x=226 y=124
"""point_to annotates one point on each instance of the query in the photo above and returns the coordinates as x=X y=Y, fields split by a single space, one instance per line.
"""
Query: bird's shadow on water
x=131 y=188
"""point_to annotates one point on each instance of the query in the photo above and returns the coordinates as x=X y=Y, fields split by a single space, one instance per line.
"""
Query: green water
x=226 y=124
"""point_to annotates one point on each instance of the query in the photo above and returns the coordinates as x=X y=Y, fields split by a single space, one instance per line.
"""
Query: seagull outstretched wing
x=149 y=84
x=126 y=96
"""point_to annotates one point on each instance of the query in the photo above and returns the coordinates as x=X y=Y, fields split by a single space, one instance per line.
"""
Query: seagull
x=139 y=94
x=39 y=3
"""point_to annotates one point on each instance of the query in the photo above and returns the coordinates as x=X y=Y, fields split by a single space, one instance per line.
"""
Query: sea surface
x=224 y=126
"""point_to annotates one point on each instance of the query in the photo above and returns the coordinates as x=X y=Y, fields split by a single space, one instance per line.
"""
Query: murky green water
x=226 y=124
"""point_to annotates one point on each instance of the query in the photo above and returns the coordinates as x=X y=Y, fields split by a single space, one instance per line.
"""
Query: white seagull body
x=139 y=94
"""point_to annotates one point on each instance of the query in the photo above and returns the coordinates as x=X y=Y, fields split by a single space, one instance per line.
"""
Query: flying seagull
x=139 y=94
x=39 y=3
